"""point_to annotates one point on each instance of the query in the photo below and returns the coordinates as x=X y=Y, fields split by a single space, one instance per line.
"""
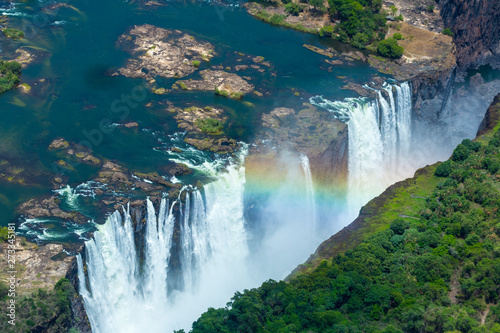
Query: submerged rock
x=49 y=207
x=73 y=152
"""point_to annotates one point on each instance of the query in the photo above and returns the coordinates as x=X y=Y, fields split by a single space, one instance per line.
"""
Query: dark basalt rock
x=476 y=28
x=79 y=319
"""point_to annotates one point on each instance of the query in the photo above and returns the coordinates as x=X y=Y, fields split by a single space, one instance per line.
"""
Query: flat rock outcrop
x=162 y=52
x=223 y=83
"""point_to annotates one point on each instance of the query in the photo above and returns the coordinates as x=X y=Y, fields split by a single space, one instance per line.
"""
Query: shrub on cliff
x=447 y=32
x=460 y=153
x=397 y=36
x=389 y=48
x=443 y=169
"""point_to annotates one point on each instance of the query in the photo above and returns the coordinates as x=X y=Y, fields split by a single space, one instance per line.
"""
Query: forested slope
x=434 y=269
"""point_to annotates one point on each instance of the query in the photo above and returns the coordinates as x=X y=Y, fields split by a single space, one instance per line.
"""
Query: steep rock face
x=79 y=319
x=430 y=91
x=476 y=25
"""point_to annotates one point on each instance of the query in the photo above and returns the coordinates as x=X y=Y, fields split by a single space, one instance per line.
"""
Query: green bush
x=447 y=32
x=317 y=5
x=293 y=9
x=443 y=169
x=276 y=19
x=183 y=86
x=13 y=33
x=389 y=48
x=209 y=125
x=397 y=36
x=342 y=36
x=9 y=75
x=221 y=92
x=196 y=63
x=430 y=9
x=326 y=30
x=236 y=95
x=399 y=226
x=360 y=40
x=42 y=308
x=4 y=234
x=361 y=21
x=491 y=165
x=460 y=153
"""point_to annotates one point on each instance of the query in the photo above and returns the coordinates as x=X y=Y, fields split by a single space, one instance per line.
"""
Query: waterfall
x=304 y=162
x=379 y=140
x=123 y=293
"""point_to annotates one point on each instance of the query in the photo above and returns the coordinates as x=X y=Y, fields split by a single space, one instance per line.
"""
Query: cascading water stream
x=304 y=162
x=125 y=294
x=379 y=141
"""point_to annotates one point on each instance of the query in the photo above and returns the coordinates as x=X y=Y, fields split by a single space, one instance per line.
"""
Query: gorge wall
x=476 y=28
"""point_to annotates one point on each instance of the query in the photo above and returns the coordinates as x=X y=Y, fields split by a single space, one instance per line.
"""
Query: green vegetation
x=196 y=63
x=209 y=125
x=4 y=234
x=362 y=22
x=293 y=9
x=397 y=36
x=327 y=31
x=318 y=5
x=236 y=95
x=221 y=92
x=430 y=9
x=447 y=32
x=434 y=271
x=13 y=33
x=9 y=75
x=389 y=48
x=40 y=309
x=277 y=19
x=183 y=86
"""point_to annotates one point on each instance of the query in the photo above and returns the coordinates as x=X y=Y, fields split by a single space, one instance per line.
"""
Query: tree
x=394 y=10
x=360 y=40
x=399 y=226
x=443 y=169
x=389 y=48
x=317 y=4
x=460 y=153
x=293 y=8
x=397 y=36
